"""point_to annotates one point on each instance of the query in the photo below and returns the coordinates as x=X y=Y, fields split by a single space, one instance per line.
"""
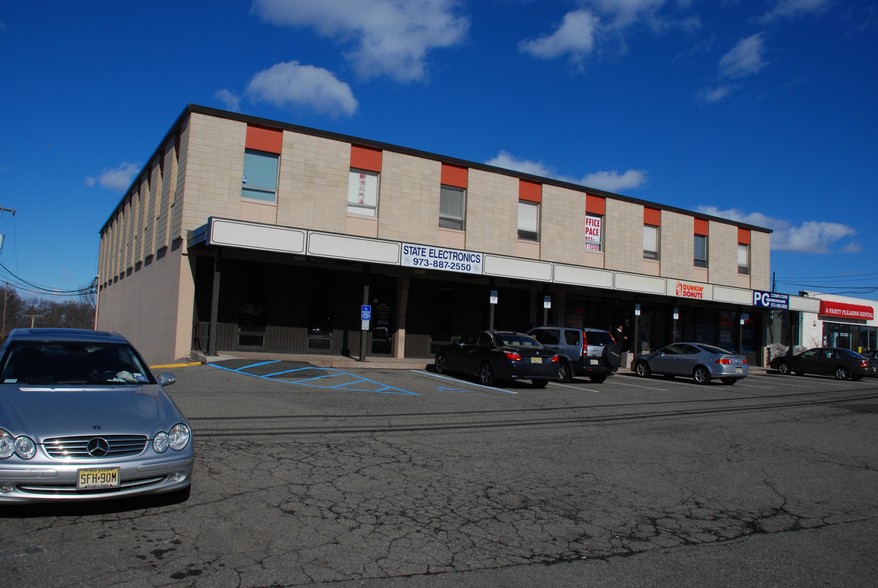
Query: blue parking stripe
x=375 y=387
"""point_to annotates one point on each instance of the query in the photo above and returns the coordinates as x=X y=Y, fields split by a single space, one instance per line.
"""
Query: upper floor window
x=650 y=242
x=259 y=181
x=528 y=220
x=700 y=250
x=363 y=193
x=743 y=258
x=452 y=207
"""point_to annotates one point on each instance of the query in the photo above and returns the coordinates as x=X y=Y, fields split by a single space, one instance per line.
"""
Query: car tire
x=598 y=378
x=539 y=383
x=701 y=375
x=729 y=381
x=565 y=372
x=441 y=363
x=784 y=368
x=641 y=368
x=486 y=374
x=842 y=373
x=612 y=355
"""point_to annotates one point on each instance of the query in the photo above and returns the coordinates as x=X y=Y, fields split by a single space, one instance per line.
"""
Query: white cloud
x=304 y=86
x=575 y=36
x=117 y=179
x=808 y=237
x=795 y=9
x=624 y=13
x=602 y=180
x=716 y=94
x=229 y=99
x=613 y=181
x=390 y=37
x=746 y=58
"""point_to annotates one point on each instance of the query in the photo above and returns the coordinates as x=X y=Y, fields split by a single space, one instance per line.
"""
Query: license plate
x=739 y=370
x=96 y=479
x=593 y=362
x=536 y=360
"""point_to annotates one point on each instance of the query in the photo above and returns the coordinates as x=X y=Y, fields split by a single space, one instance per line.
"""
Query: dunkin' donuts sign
x=685 y=290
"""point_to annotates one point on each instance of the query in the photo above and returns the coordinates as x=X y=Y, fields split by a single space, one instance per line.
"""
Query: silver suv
x=581 y=351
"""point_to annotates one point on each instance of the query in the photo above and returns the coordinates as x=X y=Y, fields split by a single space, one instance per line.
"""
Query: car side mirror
x=166 y=379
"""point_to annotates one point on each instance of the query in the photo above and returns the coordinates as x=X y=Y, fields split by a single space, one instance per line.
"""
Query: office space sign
x=771 y=300
x=439 y=258
x=593 y=233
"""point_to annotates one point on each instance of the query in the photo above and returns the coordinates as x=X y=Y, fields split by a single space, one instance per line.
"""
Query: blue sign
x=366 y=312
x=771 y=300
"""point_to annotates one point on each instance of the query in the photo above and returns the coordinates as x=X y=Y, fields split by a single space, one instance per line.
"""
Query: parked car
x=842 y=363
x=695 y=360
x=83 y=418
x=499 y=355
x=872 y=354
x=581 y=351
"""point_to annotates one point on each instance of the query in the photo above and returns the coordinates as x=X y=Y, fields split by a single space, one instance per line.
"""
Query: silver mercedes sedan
x=83 y=418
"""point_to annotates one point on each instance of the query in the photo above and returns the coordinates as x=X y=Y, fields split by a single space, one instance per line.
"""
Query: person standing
x=619 y=335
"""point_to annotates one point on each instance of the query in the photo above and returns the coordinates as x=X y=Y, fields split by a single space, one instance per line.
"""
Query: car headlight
x=25 y=447
x=22 y=446
x=179 y=436
x=160 y=442
x=7 y=444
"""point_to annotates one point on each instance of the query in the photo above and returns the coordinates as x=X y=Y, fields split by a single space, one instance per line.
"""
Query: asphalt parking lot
x=311 y=475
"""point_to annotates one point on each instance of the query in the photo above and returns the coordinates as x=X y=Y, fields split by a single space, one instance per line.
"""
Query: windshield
x=51 y=362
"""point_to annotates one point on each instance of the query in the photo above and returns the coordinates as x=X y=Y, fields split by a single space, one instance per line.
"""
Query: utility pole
x=32 y=318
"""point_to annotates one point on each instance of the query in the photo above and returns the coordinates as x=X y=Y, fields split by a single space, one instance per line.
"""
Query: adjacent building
x=242 y=233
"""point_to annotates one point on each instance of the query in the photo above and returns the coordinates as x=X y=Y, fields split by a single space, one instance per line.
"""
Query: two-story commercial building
x=243 y=233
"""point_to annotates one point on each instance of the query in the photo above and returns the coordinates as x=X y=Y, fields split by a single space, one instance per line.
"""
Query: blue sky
x=761 y=111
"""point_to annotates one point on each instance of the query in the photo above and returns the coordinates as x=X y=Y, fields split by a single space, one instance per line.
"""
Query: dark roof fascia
x=268 y=123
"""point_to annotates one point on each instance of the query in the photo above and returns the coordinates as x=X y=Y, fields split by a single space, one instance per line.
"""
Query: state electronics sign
x=846 y=311
x=438 y=258
x=771 y=300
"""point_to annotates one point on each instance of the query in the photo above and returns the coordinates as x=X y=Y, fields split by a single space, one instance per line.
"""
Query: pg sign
x=771 y=300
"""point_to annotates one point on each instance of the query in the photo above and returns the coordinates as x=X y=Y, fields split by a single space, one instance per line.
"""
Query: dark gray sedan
x=499 y=355
x=839 y=362
x=693 y=360
x=82 y=418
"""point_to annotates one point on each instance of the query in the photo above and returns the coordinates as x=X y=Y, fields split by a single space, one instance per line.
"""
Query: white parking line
x=644 y=387
x=459 y=381
x=576 y=387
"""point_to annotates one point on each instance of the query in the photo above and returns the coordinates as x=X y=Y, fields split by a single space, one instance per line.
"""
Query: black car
x=499 y=355
x=836 y=361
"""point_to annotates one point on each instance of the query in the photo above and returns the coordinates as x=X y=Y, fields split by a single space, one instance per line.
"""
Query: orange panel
x=701 y=226
x=261 y=139
x=743 y=236
x=652 y=217
x=454 y=176
x=365 y=158
x=596 y=205
x=530 y=191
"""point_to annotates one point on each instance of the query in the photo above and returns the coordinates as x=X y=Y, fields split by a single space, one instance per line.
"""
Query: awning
x=847 y=311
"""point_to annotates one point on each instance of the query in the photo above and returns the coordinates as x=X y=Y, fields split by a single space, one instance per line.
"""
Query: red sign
x=847 y=311
x=690 y=290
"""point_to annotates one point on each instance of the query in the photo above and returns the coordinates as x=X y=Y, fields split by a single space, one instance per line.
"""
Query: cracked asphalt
x=309 y=476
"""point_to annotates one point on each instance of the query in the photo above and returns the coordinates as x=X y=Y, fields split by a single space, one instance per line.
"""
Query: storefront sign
x=846 y=311
x=593 y=233
x=685 y=290
x=771 y=300
x=450 y=260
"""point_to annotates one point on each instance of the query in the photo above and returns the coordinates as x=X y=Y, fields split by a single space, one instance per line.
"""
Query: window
x=363 y=193
x=743 y=258
x=593 y=233
x=528 y=220
x=259 y=181
x=452 y=204
x=700 y=250
x=650 y=242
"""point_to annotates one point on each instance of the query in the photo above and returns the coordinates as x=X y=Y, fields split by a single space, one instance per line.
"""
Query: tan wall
x=146 y=308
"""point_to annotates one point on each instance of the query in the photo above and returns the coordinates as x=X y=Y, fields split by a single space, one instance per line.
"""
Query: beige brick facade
x=196 y=174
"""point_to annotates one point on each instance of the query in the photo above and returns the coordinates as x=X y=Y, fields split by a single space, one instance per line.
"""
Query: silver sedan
x=694 y=360
x=83 y=418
